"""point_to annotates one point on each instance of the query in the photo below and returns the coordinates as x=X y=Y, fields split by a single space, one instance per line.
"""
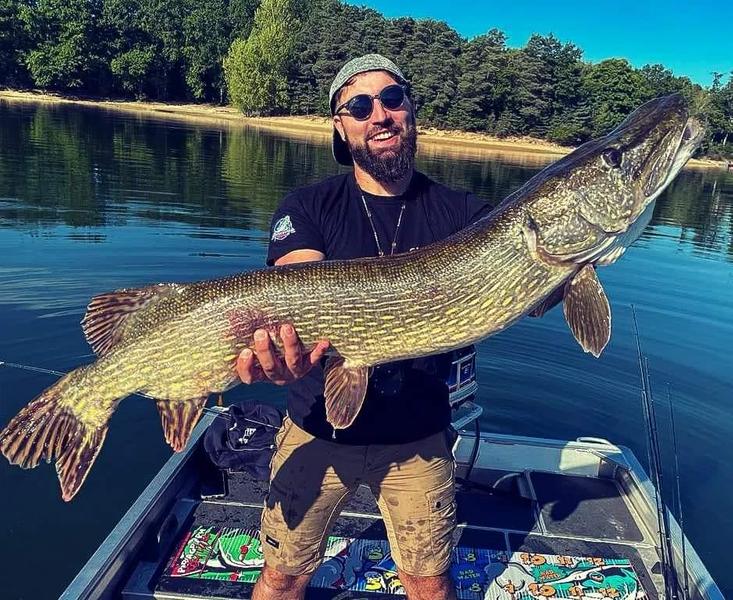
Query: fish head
x=593 y=203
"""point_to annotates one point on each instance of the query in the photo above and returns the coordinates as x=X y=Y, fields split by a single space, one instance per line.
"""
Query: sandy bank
x=319 y=128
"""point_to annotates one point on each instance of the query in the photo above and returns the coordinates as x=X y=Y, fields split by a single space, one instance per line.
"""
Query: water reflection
x=86 y=168
x=700 y=205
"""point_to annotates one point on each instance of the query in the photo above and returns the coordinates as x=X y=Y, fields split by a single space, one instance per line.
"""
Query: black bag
x=242 y=438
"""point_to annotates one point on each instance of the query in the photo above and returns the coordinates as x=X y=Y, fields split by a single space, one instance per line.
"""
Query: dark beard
x=391 y=166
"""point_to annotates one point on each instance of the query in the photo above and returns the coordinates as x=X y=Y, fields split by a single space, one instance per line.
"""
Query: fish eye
x=612 y=157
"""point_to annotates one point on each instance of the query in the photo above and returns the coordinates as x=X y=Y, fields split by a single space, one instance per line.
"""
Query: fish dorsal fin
x=344 y=392
x=587 y=311
x=178 y=418
x=109 y=317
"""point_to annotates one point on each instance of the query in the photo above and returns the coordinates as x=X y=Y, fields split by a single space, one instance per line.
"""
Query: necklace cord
x=374 y=229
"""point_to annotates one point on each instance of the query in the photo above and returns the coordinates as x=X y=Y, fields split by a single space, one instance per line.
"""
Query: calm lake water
x=92 y=201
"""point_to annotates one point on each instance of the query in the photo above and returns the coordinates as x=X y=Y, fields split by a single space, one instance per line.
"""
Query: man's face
x=384 y=144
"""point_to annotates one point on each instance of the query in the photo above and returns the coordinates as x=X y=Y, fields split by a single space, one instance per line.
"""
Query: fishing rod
x=669 y=573
x=222 y=413
x=662 y=509
x=4 y=363
x=680 y=514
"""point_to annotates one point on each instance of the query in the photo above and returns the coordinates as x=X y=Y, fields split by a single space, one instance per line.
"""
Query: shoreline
x=316 y=127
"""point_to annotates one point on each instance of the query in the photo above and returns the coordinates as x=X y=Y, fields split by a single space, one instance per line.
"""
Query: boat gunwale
x=700 y=578
x=128 y=534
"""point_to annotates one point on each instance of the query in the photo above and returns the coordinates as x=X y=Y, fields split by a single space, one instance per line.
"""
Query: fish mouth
x=689 y=140
x=692 y=137
x=669 y=165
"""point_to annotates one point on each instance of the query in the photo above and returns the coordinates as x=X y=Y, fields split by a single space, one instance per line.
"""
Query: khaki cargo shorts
x=311 y=479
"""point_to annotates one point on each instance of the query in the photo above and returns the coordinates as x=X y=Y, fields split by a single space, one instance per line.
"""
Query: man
x=398 y=444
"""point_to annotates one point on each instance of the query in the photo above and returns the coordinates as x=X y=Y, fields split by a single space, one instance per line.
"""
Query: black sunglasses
x=361 y=106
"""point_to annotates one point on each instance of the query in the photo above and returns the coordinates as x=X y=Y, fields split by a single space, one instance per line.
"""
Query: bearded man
x=400 y=444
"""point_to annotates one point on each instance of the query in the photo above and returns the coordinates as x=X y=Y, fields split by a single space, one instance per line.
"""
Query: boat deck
x=539 y=519
x=538 y=535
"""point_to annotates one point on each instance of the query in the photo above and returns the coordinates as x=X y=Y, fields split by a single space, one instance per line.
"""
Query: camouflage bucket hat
x=362 y=64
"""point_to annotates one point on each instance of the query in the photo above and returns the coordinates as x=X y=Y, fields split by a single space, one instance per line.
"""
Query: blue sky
x=691 y=38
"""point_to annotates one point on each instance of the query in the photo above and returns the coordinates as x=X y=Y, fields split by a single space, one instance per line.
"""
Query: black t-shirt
x=405 y=400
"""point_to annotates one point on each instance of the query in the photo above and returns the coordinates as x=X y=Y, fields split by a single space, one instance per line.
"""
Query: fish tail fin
x=48 y=429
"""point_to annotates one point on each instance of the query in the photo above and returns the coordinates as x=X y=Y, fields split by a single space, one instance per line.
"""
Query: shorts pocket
x=280 y=438
x=277 y=493
x=282 y=433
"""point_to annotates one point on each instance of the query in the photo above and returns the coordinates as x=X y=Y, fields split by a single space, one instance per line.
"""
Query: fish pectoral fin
x=110 y=316
x=587 y=311
x=179 y=417
x=344 y=392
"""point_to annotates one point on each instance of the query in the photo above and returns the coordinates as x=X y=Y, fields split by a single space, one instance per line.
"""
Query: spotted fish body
x=178 y=343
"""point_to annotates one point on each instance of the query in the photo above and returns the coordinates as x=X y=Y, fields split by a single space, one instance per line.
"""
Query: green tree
x=395 y=36
x=614 y=89
x=205 y=42
x=241 y=17
x=524 y=107
x=429 y=60
x=324 y=44
x=483 y=85
x=13 y=43
x=331 y=34
x=727 y=129
x=717 y=111
x=256 y=69
x=162 y=21
x=571 y=121
x=546 y=96
x=168 y=49
x=660 y=81
x=136 y=62
x=65 y=43
x=133 y=67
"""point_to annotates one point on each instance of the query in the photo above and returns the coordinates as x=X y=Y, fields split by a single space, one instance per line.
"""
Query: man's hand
x=265 y=363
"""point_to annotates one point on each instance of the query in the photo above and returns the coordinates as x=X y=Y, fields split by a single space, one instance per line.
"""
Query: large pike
x=179 y=342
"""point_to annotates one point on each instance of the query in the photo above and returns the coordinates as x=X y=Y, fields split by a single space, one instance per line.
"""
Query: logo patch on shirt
x=282 y=229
